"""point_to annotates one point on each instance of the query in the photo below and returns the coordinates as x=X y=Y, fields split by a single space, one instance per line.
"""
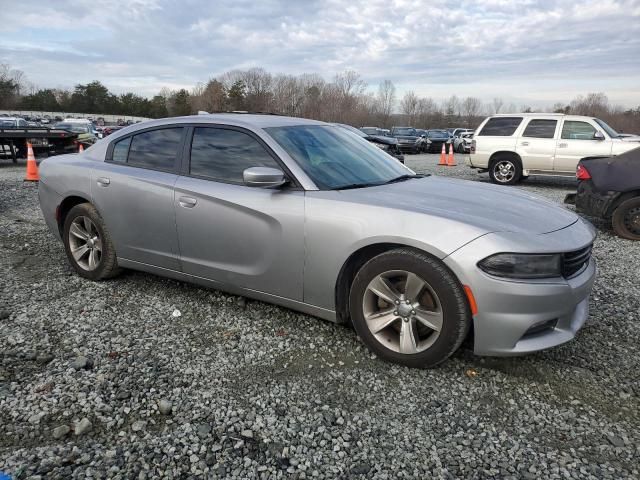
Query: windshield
x=438 y=134
x=334 y=158
x=411 y=132
x=352 y=129
x=74 y=127
x=610 y=131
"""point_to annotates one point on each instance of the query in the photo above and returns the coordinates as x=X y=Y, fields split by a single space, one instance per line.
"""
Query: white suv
x=514 y=146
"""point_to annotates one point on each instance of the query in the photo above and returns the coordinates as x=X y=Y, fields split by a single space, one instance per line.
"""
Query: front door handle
x=525 y=144
x=103 y=181
x=187 y=202
x=562 y=145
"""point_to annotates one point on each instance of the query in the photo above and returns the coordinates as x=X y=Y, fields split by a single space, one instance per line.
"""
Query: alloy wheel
x=504 y=171
x=402 y=311
x=85 y=243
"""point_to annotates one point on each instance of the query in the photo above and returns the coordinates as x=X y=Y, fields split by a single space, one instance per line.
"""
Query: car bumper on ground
x=594 y=203
x=516 y=317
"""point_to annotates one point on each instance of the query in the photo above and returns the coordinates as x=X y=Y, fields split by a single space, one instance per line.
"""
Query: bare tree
x=409 y=106
x=386 y=101
x=497 y=104
x=471 y=109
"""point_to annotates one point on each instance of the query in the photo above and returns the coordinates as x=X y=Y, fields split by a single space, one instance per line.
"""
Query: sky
x=527 y=52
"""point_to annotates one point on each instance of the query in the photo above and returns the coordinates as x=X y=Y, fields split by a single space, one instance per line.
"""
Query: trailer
x=50 y=141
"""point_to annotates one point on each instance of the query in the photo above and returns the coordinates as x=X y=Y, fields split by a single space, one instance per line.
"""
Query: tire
x=505 y=170
x=421 y=332
x=461 y=148
x=626 y=219
x=97 y=246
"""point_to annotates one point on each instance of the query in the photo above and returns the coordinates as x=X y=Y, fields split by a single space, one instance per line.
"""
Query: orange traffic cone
x=451 y=162
x=80 y=148
x=443 y=157
x=32 y=166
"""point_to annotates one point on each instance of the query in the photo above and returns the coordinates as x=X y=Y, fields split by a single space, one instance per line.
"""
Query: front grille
x=574 y=262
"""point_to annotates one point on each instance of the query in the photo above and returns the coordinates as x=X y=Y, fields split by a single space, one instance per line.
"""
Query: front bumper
x=409 y=147
x=516 y=317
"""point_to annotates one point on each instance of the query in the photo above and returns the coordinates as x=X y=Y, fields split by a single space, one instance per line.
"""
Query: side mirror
x=598 y=135
x=263 y=177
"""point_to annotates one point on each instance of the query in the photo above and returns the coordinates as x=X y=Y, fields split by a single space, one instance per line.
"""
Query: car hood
x=633 y=138
x=385 y=140
x=490 y=208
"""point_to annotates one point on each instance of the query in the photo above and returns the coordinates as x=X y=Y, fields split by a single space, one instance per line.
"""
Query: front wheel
x=505 y=170
x=409 y=308
x=88 y=244
x=626 y=219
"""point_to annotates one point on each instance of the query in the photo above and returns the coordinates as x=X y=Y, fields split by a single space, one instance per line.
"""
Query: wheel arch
x=65 y=206
x=355 y=261
x=623 y=197
x=505 y=153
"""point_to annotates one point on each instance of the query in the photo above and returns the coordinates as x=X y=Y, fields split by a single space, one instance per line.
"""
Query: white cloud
x=549 y=48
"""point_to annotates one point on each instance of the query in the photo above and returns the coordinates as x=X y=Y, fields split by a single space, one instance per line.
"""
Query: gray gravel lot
x=144 y=377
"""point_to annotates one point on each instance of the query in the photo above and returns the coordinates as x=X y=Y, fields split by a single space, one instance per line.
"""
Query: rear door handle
x=103 y=181
x=562 y=145
x=187 y=202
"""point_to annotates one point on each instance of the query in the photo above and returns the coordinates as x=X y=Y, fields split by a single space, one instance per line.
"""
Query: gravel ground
x=144 y=377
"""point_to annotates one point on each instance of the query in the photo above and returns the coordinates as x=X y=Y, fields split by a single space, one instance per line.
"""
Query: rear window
x=500 y=127
x=540 y=129
x=156 y=149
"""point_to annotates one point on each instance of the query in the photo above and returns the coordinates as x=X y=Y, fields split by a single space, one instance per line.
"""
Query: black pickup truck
x=52 y=141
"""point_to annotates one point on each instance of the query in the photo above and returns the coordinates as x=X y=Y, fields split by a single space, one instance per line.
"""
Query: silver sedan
x=312 y=217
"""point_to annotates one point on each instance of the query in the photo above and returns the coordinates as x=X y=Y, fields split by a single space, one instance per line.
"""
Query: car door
x=576 y=142
x=537 y=144
x=234 y=234
x=133 y=191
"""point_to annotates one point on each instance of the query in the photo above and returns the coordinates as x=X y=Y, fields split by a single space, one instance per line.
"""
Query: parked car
x=455 y=132
x=306 y=215
x=387 y=144
x=462 y=142
x=609 y=188
x=408 y=138
x=109 y=129
x=513 y=146
x=86 y=135
x=438 y=138
x=84 y=121
x=374 y=131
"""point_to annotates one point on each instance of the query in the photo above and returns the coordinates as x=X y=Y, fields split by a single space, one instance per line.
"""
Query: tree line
x=346 y=98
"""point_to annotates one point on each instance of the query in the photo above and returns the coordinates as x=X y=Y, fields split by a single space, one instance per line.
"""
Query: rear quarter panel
x=486 y=146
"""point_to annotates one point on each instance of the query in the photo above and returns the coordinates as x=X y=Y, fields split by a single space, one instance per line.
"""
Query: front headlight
x=522 y=265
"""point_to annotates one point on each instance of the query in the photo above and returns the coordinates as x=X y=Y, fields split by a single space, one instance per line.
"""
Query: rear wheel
x=626 y=219
x=461 y=148
x=409 y=308
x=505 y=170
x=88 y=244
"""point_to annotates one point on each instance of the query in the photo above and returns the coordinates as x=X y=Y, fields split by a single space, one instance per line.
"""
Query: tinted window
x=157 y=149
x=120 y=150
x=540 y=129
x=572 y=130
x=223 y=155
x=500 y=126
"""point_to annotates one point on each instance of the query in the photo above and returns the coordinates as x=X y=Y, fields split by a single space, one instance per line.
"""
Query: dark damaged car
x=609 y=188
x=388 y=144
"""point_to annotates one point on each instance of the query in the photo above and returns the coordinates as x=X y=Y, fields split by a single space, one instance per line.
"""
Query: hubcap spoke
x=79 y=232
x=380 y=320
x=413 y=286
x=88 y=225
x=80 y=252
x=97 y=245
x=93 y=259
x=429 y=318
x=382 y=289
x=407 y=338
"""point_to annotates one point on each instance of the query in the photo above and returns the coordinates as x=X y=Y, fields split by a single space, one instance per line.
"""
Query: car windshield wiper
x=351 y=186
x=402 y=178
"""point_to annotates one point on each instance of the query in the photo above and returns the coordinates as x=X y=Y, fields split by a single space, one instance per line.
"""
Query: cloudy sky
x=528 y=52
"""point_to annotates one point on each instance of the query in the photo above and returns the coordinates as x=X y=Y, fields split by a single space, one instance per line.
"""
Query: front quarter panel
x=335 y=229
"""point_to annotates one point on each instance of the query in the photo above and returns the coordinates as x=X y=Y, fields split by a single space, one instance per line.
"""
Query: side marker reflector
x=472 y=301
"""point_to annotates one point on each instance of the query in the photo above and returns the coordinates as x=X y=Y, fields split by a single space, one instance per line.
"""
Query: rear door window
x=121 y=150
x=574 y=130
x=500 y=126
x=540 y=129
x=156 y=149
